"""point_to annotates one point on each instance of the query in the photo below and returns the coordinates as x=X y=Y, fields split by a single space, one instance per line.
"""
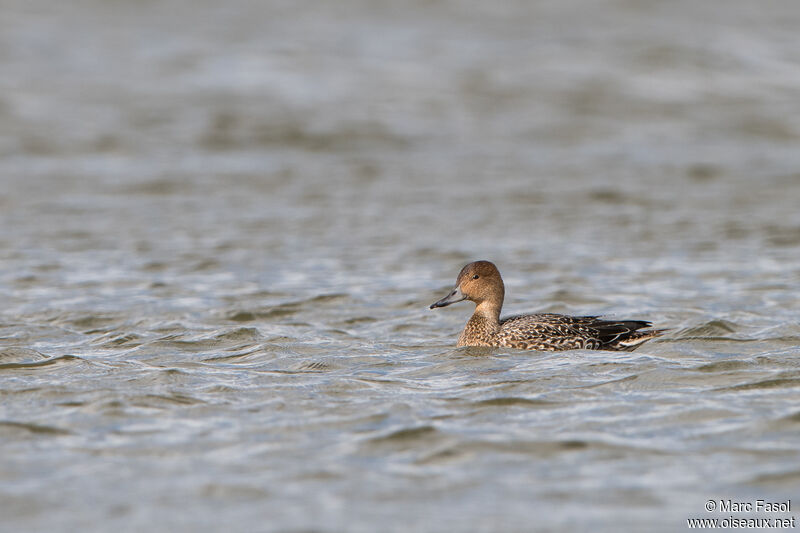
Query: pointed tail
x=636 y=339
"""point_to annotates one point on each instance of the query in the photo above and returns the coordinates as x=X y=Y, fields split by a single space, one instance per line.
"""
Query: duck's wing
x=548 y=332
x=553 y=331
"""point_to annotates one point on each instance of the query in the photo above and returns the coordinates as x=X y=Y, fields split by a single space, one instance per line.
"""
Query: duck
x=480 y=282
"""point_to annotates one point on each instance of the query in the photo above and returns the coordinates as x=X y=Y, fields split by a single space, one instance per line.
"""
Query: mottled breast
x=479 y=332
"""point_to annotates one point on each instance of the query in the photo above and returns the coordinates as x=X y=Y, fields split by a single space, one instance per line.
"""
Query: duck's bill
x=455 y=296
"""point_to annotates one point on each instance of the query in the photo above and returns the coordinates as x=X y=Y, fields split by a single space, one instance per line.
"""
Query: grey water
x=222 y=223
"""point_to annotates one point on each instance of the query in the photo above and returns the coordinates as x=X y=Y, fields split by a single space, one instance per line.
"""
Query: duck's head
x=478 y=282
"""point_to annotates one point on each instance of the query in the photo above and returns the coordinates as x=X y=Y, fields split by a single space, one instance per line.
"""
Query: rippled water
x=223 y=223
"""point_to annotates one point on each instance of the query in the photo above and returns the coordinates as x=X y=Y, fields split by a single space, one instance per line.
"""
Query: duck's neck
x=488 y=312
x=485 y=319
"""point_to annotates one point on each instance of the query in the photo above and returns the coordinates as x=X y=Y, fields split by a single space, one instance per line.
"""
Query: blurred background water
x=222 y=224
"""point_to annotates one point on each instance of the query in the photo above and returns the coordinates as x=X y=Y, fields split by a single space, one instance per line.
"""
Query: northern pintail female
x=480 y=282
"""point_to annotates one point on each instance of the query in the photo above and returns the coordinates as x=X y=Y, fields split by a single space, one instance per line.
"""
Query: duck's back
x=550 y=332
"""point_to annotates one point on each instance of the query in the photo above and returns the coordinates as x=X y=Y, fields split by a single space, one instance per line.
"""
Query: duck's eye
x=475 y=276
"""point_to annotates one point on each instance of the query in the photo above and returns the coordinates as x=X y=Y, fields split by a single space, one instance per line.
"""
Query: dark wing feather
x=611 y=331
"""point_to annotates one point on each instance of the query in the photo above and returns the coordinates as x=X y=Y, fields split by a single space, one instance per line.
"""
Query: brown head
x=479 y=282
